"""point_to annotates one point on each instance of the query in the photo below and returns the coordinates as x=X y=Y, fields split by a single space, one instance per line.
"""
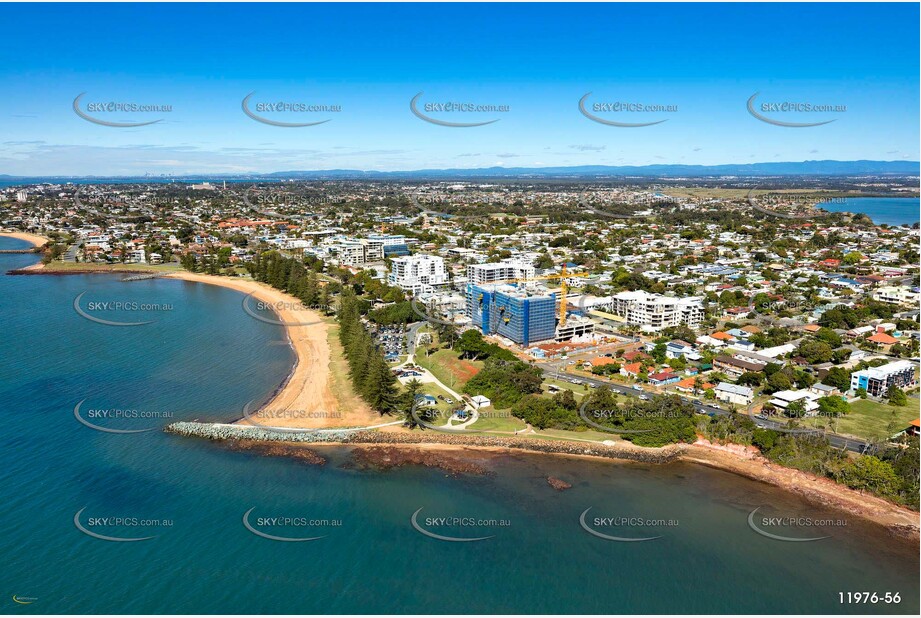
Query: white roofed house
x=782 y=400
x=734 y=393
x=480 y=401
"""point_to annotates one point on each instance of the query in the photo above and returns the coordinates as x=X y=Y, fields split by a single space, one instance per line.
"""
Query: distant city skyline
x=699 y=65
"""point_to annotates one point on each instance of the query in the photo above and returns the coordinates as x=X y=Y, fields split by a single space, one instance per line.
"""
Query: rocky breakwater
x=610 y=450
x=221 y=431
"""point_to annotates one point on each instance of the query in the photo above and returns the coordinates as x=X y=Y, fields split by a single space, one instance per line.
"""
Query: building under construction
x=516 y=314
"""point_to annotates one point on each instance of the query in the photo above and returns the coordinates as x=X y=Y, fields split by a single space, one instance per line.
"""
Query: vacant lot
x=875 y=420
x=448 y=368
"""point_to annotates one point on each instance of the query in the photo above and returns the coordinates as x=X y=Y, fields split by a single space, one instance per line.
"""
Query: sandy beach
x=36 y=239
x=307 y=399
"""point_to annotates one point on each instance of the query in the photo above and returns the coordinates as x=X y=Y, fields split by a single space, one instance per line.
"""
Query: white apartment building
x=418 y=274
x=357 y=252
x=897 y=295
x=655 y=312
x=479 y=274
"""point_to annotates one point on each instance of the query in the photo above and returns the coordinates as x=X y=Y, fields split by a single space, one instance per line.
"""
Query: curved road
x=836 y=440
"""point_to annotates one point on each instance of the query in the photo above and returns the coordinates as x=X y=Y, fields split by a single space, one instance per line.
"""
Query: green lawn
x=341 y=383
x=498 y=423
x=872 y=419
x=87 y=266
x=562 y=434
x=579 y=390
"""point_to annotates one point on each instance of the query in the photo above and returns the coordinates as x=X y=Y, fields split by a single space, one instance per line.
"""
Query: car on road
x=644 y=397
x=637 y=387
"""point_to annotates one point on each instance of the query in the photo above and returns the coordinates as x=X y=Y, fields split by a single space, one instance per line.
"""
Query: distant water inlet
x=882 y=210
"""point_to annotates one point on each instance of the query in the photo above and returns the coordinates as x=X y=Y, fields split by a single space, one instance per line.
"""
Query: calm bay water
x=204 y=358
x=889 y=210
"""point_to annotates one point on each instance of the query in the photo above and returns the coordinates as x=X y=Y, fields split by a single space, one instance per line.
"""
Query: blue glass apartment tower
x=512 y=313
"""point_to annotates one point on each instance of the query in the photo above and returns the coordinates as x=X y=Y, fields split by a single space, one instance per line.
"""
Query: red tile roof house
x=631 y=370
x=687 y=385
x=635 y=355
x=600 y=361
x=736 y=311
x=830 y=263
x=663 y=378
x=883 y=339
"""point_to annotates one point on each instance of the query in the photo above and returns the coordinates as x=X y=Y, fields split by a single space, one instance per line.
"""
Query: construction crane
x=564 y=288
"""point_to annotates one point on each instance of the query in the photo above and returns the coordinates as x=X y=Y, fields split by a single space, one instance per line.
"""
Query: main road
x=836 y=440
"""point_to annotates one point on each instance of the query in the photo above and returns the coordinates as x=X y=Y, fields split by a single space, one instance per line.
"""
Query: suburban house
x=734 y=393
x=783 y=399
x=663 y=378
x=687 y=385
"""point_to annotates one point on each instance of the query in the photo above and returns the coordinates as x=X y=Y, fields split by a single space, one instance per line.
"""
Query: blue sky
x=371 y=60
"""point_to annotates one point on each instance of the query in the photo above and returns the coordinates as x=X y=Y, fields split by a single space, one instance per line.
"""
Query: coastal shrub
x=905 y=458
x=896 y=396
x=546 y=413
x=397 y=313
x=471 y=345
x=869 y=473
x=504 y=382
x=659 y=421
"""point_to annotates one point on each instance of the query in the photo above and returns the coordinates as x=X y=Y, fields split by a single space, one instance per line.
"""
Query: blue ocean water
x=204 y=358
x=889 y=210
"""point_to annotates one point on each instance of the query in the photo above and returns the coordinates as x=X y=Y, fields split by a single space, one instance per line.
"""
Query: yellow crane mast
x=564 y=287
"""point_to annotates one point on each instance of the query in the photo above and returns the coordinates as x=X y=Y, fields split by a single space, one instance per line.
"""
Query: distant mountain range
x=801 y=168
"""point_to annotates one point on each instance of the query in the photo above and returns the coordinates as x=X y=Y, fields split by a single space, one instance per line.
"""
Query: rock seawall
x=214 y=431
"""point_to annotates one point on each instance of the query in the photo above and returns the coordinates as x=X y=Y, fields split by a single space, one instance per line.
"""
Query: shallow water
x=204 y=358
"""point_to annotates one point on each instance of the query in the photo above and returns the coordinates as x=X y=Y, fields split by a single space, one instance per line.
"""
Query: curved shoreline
x=36 y=240
x=735 y=459
x=304 y=399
